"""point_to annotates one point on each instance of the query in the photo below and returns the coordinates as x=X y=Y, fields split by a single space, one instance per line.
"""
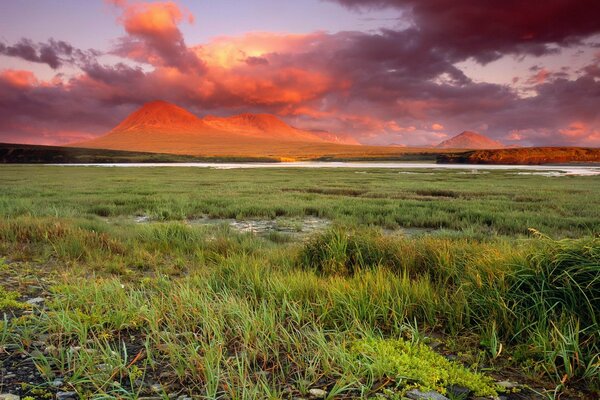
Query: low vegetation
x=524 y=155
x=360 y=310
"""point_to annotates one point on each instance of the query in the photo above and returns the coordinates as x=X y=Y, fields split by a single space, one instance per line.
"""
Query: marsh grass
x=209 y=311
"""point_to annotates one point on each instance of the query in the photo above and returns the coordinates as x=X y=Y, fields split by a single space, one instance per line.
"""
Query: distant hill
x=525 y=155
x=11 y=153
x=470 y=140
x=161 y=127
x=166 y=128
x=336 y=137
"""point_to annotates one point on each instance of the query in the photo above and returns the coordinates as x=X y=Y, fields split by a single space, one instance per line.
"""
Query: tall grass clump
x=555 y=296
x=340 y=252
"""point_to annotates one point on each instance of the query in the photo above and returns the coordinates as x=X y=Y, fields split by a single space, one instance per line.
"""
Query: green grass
x=208 y=311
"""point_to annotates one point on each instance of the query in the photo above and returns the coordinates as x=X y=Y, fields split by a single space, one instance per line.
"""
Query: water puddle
x=547 y=173
x=290 y=226
x=410 y=231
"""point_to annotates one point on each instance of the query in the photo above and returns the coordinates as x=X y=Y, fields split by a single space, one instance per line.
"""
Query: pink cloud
x=381 y=87
x=18 y=78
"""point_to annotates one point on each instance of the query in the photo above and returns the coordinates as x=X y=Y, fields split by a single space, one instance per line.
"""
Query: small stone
x=458 y=391
x=8 y=376
x=156 y=388
x=66 y=395
x=317 y=393
x=418 y=395
x=103 y=367
x=9 y=396
x=57 y=383
x=36 y=301
x=165 y=375
x=507 y=385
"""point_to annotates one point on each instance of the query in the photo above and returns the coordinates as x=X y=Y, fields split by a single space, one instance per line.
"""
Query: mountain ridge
x=470 y=140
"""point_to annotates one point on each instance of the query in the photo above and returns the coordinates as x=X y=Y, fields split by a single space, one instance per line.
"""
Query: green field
x=144 y=284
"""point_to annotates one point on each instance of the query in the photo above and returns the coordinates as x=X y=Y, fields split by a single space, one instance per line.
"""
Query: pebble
x=458 y=391
x=9 y=396
x=156 y=388
x=418 y=395
x=57 y=383
x=317 y=393
x=507 y=384
x=36 y=301
x=66 y=395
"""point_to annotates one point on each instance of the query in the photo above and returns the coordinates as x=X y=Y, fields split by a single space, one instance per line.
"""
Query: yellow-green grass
x=208 y=311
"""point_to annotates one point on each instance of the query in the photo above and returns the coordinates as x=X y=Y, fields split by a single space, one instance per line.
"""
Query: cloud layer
x=401 y=86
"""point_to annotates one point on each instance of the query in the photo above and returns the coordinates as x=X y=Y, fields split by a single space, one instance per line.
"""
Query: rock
x=36 y=301
x=57 y=383
x=156 y=388
x=507 y=385
x=456 y=391
x=66 y=395
x=9 y=396
x=103 y=367
x=415 y=394
x=317 y=393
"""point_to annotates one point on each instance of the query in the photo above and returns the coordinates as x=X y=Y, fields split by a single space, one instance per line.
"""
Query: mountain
x=264 y=126
x=160 y=116
x=470 y=140
x=162 y=127
x=335 y=137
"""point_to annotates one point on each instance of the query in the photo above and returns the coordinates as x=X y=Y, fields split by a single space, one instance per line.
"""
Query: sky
x=403 y=72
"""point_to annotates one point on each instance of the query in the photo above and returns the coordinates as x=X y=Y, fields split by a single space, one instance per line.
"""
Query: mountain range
x=161 y=127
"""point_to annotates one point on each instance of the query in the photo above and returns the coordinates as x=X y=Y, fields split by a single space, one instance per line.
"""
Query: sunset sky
x=410 y=72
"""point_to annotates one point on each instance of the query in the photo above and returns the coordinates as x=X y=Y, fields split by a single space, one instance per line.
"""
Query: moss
x=8 y=299
x=417 y=365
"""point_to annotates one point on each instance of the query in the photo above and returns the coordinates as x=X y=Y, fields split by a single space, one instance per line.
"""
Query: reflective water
x=544 y=170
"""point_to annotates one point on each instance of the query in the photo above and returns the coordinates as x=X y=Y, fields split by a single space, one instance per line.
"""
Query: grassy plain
x=171 y=307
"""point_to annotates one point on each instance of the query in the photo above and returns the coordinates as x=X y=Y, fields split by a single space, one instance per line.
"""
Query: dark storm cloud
x=373 y=85
x=485 y=30
x=54 y=53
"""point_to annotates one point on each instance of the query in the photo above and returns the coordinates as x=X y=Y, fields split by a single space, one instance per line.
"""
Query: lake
x=547 y=170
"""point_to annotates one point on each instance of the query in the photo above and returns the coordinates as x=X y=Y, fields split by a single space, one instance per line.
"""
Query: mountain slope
x=162 y=127
x=264 y=126
x=160 y=115
x=470 y=140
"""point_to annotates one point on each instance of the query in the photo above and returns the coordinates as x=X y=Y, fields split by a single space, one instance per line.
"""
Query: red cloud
x=154 y=36
x=382 y=87
x=154 y=20
x=18 y=78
